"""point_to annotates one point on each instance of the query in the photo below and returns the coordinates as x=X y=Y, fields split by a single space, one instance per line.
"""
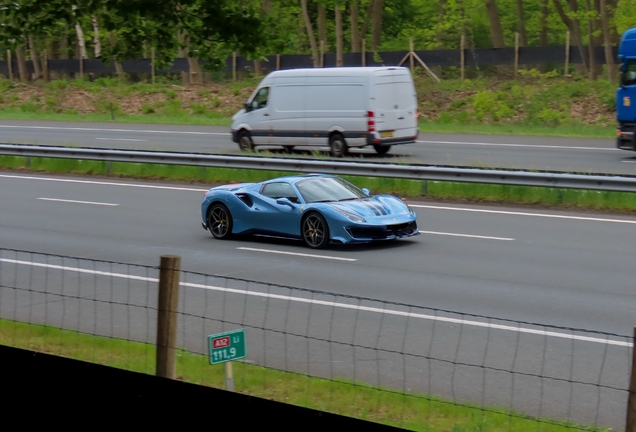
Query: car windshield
x=327 y=189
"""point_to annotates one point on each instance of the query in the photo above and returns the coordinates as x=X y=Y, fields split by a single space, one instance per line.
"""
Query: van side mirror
x=247 y=106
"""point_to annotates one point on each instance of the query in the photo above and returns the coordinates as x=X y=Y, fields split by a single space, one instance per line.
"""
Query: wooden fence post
x=81 y=65
x=412 y=52
x=516 y=53
x=167 y=314
x=234 y=66
x=322 y=54
x=462 y=55
x=277 y=61
x=567 y=53
x=630 y=425
x=10 y=65
x=152 y=64
x=45 y=66
x=364 y=53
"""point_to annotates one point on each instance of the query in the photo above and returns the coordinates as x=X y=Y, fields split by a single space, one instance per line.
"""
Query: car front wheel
x=315 y=231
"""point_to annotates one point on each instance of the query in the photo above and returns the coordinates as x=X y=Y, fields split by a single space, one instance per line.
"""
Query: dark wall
x=64 y=393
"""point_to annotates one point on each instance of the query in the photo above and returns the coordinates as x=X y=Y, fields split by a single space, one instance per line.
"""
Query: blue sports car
x=317 y=208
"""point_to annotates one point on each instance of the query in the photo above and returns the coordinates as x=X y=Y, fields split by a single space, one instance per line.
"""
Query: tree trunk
x=495 y=24
x=64 y=43
x=34 y=58
x=97 y=48
x=590 y=43
x=367 y=18
x=355 y=33
x=81 y=43
x=376 y=37
x=573 y=26
x=118 y=67
x=21 y=60
x=310 y=33
x=543 y=34
x=322 y=27
x=266 y=9
x=439 y=35
x=339 y=41
x=521 y=24
x=607 y=42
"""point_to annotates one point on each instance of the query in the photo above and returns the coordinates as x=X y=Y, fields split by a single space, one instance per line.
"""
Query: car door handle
x=400 y=118
x=266 y=115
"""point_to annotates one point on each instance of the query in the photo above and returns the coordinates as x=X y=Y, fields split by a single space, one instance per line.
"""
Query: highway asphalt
x=559 y=268
x=500 y=151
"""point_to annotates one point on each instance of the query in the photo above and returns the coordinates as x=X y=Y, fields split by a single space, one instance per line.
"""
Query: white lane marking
x=105 y=183
x=77 y=202
x=296 y=254
x=114 y=130
x=628 y=161
x=514 y=145
x=467 y=235
x=121 y=139
x=513 y=213
x=337 y=305
x=147 y=186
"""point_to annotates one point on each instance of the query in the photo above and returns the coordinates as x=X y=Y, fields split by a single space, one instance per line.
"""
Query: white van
x=338 y=107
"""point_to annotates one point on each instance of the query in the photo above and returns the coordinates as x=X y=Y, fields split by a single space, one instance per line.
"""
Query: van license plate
x=386 y=134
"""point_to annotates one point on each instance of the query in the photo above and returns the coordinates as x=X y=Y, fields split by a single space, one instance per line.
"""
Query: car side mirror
x=285 y=201
x=247 y=106
x=366 y=191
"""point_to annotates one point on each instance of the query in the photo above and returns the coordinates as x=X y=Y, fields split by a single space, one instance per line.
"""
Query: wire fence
x=415 y=367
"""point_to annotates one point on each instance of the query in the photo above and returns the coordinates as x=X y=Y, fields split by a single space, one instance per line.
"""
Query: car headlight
x=411 y=210
x=349 y=215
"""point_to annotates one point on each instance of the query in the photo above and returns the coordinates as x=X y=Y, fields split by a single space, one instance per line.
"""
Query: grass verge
x=474 y=192
x=408 y=410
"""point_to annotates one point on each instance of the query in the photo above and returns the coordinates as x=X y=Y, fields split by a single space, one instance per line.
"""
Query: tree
x=339 y=41
x=376 y=36
x=521 y=24
x=310 y=33
x=495 y=24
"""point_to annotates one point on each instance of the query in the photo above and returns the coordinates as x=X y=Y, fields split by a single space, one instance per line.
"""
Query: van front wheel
x=338 y=145
x=245 y=141
x=382 y=150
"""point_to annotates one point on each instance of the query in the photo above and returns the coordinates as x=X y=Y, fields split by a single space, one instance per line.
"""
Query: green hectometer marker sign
x=228 y=346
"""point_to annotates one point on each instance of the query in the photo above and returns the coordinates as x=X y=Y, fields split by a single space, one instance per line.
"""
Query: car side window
x=280 y=190
x=260 y=100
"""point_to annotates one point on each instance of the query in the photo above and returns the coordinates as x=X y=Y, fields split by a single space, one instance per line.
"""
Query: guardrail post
x=630 y=425
x=167 y=314
x=424 y=187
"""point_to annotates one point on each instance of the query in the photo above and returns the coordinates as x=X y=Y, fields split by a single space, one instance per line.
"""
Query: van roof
x=335 y=71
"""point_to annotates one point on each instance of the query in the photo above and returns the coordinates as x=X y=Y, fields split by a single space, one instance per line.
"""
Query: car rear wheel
x=245 y=141
x=315 y=231
x=220 y=221
x=382 y=149
x=338 y=145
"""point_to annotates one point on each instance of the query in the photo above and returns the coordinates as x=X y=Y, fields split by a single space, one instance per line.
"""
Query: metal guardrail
x=413 y=172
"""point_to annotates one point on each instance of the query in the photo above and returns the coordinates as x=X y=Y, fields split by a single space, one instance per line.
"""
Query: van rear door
x=394 y=103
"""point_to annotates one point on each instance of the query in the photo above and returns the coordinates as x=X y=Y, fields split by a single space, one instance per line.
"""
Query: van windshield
x=628 y=76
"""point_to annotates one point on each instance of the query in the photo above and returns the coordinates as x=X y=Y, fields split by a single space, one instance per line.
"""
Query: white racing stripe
x=514 y=145
x=515 y=213
x=472 y=323
x=467 y=235
x=77 y=202
x=121 y=139
x=114 y=130
x=296 y=254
